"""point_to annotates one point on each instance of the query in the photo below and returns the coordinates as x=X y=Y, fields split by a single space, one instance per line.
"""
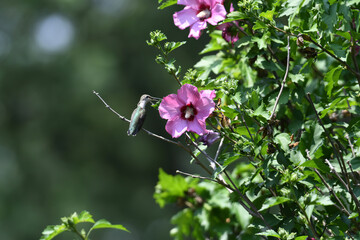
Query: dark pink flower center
x=188 y=112
x=204 y=12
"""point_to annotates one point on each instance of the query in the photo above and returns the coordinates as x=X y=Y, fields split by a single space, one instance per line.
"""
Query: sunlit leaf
x=106 y=224
x=268 y=14
x=273 y=201
x=166 y=3
x=269 y=233
x=52 y=231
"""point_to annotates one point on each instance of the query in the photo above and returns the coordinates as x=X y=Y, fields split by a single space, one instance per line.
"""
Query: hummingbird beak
x=154 y=99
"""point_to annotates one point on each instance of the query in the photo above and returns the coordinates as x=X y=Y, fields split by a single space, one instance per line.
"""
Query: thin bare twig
x=195 y=176
x=348 y=188
x=219 y=149
x=284 y=80
x=337 y=154
x=351 y=145
x=347 y=66
x=354 y=175
x=353 y=55
x=243 y=196
x=331 y=190
x=355 y=72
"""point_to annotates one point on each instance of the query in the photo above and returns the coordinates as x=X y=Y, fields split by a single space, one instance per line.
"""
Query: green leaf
x=106 y=224
x=345 y=35
x=169 y=188
x=352 y=2
x=262 y=112
x=262 y=42
x=52 y=231
x=332 y=106
x=235 y=15
x=324 y=201
x=156 y=37
x=215 y=44
x=167 y=3
x=296 y=78
x=269 y=233
x=293 y=7
x=297 y=158
x=231 y=159
x=353 y=215
x=244 y=41
x=355 y=163
x=283 y=139
x=301 y=238
x=331 y=78
x=268 y=14
x=259 y=25
x=84 y=216
x=170 y=46
x=273 y=201
x=316 y=163
x=209 y=63
x=330 y=18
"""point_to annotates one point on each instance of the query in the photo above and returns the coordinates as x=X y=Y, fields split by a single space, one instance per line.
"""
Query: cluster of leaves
x=288 y=114
x=71 y=224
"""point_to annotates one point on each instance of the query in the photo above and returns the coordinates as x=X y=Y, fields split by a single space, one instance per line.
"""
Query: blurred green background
x=61 y=150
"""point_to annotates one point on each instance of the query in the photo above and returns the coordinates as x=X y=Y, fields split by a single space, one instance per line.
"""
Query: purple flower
x=197 y=13
x=209 y=138
x=229 y=32
x=187 y=110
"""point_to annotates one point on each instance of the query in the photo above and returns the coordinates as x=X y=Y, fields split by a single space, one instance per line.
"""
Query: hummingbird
x=139 y=114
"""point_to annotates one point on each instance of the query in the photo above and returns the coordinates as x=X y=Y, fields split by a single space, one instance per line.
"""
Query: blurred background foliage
x=61 y=150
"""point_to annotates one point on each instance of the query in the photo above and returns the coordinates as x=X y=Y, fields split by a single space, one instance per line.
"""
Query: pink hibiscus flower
x=187 y=110
x=229 y=32
x=197 y=14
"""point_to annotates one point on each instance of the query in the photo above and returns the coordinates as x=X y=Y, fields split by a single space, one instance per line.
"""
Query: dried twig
x=331 y=190
x=284 y=80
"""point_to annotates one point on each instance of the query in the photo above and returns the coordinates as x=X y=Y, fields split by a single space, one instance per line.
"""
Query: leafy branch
x=70 y=224
x=156 y=38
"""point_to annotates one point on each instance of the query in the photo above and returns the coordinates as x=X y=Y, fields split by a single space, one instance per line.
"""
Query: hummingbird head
x=145 y=98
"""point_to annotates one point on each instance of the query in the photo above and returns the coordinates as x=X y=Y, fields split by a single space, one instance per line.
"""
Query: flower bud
x=209 y=138
x=300 y=40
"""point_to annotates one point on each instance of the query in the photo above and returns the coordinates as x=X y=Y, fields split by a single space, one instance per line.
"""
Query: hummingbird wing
x=137 y=120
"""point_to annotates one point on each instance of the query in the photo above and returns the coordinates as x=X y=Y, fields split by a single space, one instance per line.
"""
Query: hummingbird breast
x=137 y=120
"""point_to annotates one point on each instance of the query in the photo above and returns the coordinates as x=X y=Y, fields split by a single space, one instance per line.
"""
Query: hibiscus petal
x=197 y=126
x=195 y=29
x=212 y=2
x=188 y=94
x=169 y=107
x=205 y=106
x=218 y=13
x=176 y=127
x=191 y=3
x=185 y=17
x=208 y=93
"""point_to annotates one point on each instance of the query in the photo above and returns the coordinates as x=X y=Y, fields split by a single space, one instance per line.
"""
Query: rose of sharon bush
x=187 y=110
x=197 y=14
